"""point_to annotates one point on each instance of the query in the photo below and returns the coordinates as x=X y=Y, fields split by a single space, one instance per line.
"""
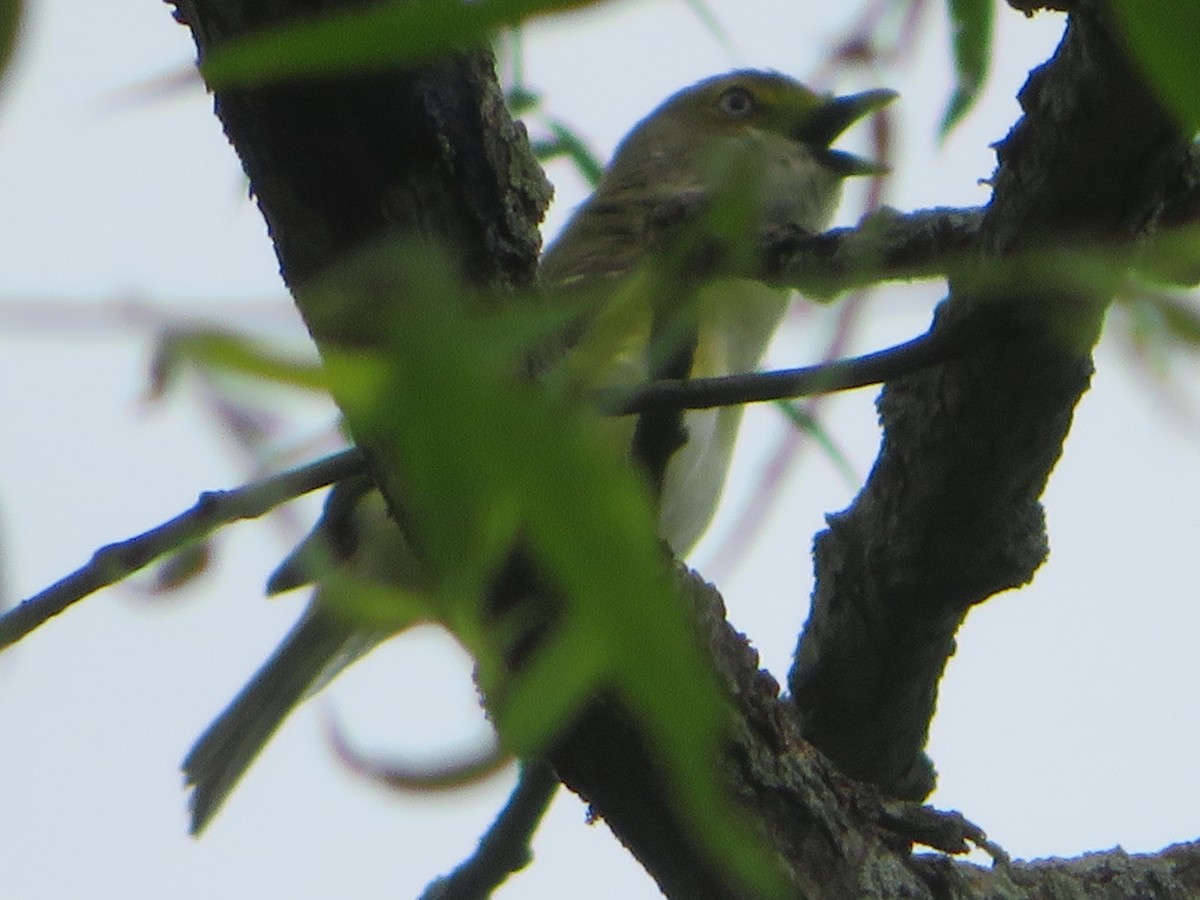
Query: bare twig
x=840 y=375
x=213 y=509
x=505 y=846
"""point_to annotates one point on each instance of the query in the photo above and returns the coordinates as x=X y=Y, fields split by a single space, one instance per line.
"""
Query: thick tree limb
x=950 y=514
x=336 y=163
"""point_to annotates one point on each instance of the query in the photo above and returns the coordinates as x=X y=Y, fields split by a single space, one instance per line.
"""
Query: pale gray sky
x=1065 y=720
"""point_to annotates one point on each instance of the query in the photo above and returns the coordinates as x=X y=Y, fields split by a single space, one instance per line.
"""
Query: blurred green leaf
x=1166 y=317
x=1171 y=257
x=183 y=566
x=1164 y=36
x=489 y=461
x=11 y=14
x=521 y=100
x=566 y=142
x=1182 y=318
x=802 y=421
x=373 y=37
x=378 y=607
x=1160 y=330
x=971 y=47
x=712 y=24
x=224 y=351
x=525 y=101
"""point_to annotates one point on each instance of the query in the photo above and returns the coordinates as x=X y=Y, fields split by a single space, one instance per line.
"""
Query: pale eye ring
x=736 y=102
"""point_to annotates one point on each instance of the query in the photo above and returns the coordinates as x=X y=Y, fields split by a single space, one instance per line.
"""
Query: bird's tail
x=316 y=648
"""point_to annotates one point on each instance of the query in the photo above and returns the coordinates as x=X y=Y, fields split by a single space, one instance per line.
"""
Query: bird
x=731 y=157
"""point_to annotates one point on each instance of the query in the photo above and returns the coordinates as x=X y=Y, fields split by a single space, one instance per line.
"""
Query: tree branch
x=885 y=246
x=212 y=510
x=840 y=375
x=950 y=514
x=215 y=509
x=506 y=847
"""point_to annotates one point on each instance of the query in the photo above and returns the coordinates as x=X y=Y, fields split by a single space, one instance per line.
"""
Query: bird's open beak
x=826 y=122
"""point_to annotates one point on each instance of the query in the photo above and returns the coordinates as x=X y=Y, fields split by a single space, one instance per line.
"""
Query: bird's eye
x=736 y=102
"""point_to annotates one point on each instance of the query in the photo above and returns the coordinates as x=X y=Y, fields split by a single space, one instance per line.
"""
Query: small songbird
x=736 y=156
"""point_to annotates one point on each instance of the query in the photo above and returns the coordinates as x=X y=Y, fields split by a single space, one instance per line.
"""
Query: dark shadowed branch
x=951 y=512
x=215 y=509
x=505 y=847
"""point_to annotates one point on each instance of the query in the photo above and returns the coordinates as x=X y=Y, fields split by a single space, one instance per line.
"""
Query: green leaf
x=224 y=351
x=971 y=46
x=11 y=14
x=1167 y=317
x=1182 y=319
x=1171 y=257
x=522 y=100
x=802 y=421
x=377 y=36
x=378 y=607
x=712 y=24
x=568 y=143
x=487 y=461
x=1164 y=36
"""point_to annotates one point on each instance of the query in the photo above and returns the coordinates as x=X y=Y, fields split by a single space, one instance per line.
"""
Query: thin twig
x=505 y=847
x=754 y=513
x=213 y=509
x=841 y=375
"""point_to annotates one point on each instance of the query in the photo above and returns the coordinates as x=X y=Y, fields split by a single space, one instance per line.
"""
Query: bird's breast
x=737 y=319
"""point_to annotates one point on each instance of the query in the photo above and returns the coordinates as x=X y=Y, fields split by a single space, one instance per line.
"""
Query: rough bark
x=337 y=162
x=950 y=514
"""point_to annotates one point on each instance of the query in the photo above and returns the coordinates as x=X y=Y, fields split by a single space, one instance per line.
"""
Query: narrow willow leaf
x=1171 y=257
x=712 y=24
x=11 y=15
x=971 y=47
x=377 y=36
x=1182 y=319
x=1163 y=35
x=568 y=143
x=487 y=461
x=379 y=607
x=802 y=421
x=225 y=351
x=521 y=100
x=1165 y=318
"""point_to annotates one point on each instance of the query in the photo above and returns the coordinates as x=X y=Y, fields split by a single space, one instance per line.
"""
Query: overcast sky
x=1066 y=720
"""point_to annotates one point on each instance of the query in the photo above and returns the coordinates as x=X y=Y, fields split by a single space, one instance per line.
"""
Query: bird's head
x=743 y=106
x=750 y=149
